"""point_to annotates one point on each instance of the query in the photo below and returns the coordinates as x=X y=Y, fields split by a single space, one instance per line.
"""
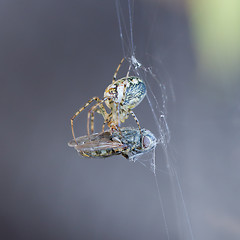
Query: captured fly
x=127 y=142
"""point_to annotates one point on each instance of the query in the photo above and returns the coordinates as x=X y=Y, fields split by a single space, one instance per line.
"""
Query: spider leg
x=103 y=126
x=135 y=118
x=101 y=111
x=93 y=109
x=107 y=120
x=80 y=110
x=130 y=66
x=118 y=115
x=92 y=122
x=115 y=74
x=119 y=130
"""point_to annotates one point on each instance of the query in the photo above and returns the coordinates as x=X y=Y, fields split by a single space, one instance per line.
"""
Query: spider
x=105 y=144
x=121 y=96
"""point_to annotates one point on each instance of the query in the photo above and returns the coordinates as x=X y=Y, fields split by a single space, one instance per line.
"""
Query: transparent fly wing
x=104 y=144
x=81 y=140
x=97 y=145
x=93 y=138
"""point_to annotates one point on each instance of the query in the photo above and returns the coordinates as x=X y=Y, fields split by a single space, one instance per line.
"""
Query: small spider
x=120 y=97
x=105 y=144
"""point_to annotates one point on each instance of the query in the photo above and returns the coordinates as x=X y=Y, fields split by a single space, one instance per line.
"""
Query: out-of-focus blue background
x=55 y=55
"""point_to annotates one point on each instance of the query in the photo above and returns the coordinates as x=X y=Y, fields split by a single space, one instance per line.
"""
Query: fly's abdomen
x=100 y=153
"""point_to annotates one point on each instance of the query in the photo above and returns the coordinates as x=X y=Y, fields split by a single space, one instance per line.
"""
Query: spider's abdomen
x=128 y=91
x=134 y=93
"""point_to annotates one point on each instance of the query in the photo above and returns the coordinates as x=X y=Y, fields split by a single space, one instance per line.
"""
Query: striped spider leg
x=113 y=123
x=103 y=111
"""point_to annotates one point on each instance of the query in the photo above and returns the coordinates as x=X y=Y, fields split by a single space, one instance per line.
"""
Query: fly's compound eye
x=146 y=142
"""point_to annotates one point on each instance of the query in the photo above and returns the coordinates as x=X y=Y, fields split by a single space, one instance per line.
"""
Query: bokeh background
x=55 y=55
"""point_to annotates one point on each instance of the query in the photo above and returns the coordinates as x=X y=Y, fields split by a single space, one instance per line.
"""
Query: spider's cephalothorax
x=120 y=97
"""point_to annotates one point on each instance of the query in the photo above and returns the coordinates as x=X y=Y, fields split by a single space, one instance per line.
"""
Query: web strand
x=157 y=100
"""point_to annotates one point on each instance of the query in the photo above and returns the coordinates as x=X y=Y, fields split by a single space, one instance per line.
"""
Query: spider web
x=158 y=89
x=157 y=102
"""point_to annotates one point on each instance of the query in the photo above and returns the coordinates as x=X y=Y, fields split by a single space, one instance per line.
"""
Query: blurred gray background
x=55 y=55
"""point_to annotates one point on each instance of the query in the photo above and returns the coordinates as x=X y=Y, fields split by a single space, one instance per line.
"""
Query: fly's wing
x=98 y=145
x=84 y=139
